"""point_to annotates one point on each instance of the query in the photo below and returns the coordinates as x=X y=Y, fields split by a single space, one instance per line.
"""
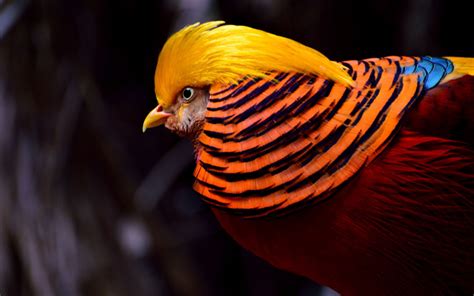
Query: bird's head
x=201 y=57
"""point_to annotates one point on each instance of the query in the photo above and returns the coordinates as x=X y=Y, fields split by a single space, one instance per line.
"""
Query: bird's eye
x=188 y=93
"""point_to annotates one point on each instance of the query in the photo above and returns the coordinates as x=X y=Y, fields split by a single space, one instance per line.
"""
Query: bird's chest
x=323 y=244
x=314 y=244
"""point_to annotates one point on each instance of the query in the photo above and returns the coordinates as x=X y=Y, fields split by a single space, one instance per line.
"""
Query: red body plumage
x=403 y=226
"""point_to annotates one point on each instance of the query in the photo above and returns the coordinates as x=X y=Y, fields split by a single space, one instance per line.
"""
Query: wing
x=273 y=145
x=446 y=111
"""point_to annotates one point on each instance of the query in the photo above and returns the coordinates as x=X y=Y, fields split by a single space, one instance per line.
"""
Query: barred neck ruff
x=269 y=146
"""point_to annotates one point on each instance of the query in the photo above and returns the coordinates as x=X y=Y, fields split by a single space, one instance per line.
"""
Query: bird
x=358 y=175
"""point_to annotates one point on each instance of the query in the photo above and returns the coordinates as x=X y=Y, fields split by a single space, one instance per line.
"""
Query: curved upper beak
x=155 y=118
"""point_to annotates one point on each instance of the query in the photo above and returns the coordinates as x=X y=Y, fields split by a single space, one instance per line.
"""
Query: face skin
x=188 y=112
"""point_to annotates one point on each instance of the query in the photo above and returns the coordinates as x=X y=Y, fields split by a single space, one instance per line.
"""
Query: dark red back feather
x=446 y=111
x=403 y=226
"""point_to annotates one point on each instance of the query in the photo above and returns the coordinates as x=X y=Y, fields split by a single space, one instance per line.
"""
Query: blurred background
x=91 y=206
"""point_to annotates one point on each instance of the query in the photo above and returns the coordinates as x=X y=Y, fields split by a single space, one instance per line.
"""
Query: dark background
x=91 y=206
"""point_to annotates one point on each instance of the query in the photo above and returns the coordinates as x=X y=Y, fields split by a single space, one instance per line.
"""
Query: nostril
x=159 y=108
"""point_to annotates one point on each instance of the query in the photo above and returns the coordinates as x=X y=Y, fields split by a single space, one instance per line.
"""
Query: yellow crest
x=205 y=54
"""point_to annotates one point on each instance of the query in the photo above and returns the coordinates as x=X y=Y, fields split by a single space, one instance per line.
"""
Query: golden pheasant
x=358 y=175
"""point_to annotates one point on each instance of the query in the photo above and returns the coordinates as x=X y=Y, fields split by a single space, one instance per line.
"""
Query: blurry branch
x=192 y=11
x=27 y=219
x=66 y=123
x=9 y=14
x=103 y=128
x=163 y=175
x=418 y=21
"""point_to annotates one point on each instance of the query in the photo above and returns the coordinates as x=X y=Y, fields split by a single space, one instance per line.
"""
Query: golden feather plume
x=210 y=53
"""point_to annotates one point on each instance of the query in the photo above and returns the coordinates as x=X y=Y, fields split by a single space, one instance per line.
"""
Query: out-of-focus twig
x=9 y=14
x=163 y=175
x=65 y=126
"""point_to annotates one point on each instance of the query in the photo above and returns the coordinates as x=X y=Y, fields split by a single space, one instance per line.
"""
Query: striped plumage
x=270 y=145
x=385 y=143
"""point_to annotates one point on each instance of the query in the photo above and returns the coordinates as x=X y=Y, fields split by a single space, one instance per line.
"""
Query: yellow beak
x=156 y=117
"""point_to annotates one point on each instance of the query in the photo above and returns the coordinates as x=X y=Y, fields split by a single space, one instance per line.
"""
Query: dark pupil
x=187 y=93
